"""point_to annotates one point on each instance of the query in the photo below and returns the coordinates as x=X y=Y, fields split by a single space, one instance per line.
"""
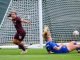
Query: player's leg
x=19 y=43
x=72 y=46
x=78 y=46
x=15 y=41
x=18 y=39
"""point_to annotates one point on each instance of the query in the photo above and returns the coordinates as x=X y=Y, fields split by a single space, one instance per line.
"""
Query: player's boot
x=78 y=50
x=24 y=52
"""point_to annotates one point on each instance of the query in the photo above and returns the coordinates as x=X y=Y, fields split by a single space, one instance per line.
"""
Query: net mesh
x=62 y=17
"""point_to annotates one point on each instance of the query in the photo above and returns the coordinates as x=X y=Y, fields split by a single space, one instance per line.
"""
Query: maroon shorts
x=20 y=36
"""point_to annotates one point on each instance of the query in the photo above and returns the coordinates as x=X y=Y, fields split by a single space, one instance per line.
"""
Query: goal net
x=62 y=17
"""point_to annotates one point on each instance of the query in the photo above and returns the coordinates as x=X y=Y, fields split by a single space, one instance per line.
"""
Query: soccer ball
x=75 y=32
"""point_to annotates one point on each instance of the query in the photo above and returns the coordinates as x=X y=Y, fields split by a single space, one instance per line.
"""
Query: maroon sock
x=21 y=46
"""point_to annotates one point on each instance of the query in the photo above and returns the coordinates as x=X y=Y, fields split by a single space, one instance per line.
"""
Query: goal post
x=5 y=14
x=40 y=22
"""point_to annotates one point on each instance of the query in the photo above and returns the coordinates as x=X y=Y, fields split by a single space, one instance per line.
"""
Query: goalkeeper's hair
x=45 y=32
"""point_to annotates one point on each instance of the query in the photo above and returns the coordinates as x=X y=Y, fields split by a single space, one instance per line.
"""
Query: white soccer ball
x=75 y=32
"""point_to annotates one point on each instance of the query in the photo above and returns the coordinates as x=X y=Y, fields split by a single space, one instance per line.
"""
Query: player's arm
x=25 y=21
x=58 y=48
x=9 y=18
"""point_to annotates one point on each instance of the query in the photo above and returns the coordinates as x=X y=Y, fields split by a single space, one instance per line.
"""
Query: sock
x=21 y=46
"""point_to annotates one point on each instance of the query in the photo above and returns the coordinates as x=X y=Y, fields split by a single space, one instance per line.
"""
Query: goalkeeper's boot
x=78 y=50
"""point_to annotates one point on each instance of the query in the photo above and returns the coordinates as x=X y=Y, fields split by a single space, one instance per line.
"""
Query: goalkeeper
x=54 y=47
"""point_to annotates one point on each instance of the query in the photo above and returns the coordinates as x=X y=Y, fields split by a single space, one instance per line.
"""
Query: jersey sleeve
x=18 y=19
x=53 y=45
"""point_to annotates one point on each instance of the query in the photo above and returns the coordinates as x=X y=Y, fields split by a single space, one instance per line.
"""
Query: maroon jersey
x=20 y=31
x=17 y=24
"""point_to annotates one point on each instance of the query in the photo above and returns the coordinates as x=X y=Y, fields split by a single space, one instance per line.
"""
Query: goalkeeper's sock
x=21 y=46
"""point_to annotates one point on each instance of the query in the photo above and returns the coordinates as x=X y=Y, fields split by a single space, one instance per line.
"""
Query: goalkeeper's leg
x=73 y=46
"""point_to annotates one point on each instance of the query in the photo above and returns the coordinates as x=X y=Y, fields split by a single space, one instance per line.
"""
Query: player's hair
x=11 y=13
x=45 y=32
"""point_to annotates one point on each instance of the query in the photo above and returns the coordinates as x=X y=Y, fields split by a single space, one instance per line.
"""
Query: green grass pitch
x=36 y=54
